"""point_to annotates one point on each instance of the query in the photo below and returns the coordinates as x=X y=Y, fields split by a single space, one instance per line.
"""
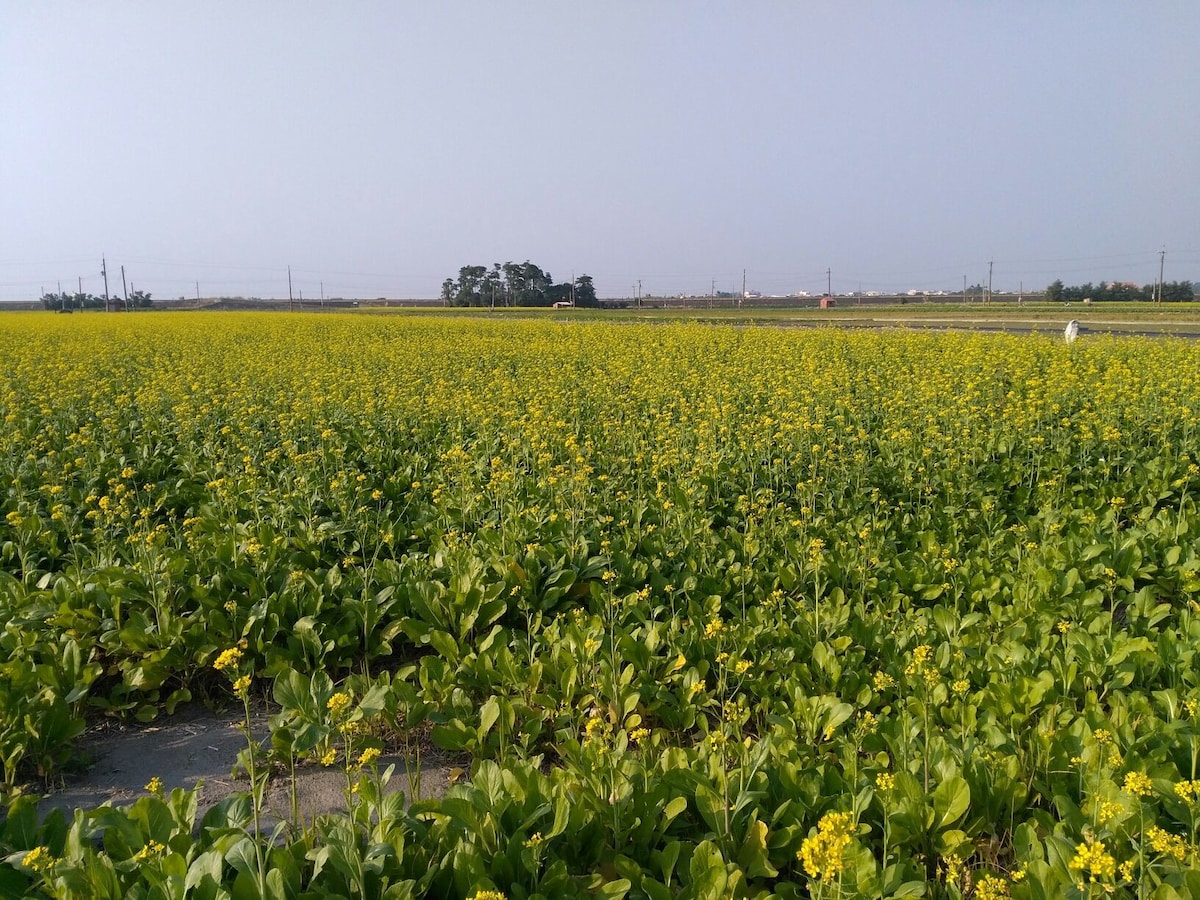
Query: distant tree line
x=514 y=284
x=65 y=301
x=1172 y=292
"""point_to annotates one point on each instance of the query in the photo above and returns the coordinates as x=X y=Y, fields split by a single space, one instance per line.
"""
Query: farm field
x=1181 y=319
x=714 y=611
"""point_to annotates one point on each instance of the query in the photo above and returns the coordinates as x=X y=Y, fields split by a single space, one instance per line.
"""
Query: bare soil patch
x=200 y=747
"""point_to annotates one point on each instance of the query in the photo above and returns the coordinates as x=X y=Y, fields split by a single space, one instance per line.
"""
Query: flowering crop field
x=715 y=611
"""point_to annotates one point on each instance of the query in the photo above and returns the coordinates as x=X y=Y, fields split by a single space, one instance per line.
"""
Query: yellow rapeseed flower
x=991 y=887
x=1137 y=784
x=338 y=704
x=241 y=686
x=1093 y=862
x=39 y=859
x=1108 y=810
x=823 y=853
x=1188 y=791
x=1166 y=843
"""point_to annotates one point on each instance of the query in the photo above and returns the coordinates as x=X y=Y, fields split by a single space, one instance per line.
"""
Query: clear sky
x=378 y=146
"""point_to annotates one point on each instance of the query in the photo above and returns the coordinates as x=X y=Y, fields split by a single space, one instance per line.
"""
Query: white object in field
x=1072 y=330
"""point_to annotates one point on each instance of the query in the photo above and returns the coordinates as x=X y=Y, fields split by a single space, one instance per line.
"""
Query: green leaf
x=951 y=799
x=489 y=713
x=753 y=857
x=707 y=869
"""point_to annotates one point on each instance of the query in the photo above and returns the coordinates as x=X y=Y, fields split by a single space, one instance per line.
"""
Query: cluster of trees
x=64 y=300
x=1172 y=292
x=515 y=284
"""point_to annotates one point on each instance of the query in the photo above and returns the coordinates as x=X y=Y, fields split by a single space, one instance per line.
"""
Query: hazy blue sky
x=379 y=146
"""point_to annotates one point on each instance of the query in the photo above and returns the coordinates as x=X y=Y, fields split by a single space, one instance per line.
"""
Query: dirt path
x=198 y=746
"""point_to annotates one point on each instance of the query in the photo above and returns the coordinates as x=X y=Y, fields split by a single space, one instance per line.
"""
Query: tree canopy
x=514 y=284
x=1108 y=291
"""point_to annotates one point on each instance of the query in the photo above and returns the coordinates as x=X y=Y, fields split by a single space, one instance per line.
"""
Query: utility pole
x=639 y=297
x=989 y=299
x=572 y=292
x=104 y=272
x=323 y=295
x=742 y=299
x=291 y=303
x=829 y=282
x=1162 y=258
x=124 y=289
x=964 y=289
x=712 y=292
x=79 y=294
x=197 y=295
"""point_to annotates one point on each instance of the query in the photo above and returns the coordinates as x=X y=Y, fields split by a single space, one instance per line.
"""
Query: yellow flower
x=1188 y=791
x=228 y=659
x=154 y=786
x=39 y=859
x=714 y=627
x=990 y=887
x=884 y=782
x=822 y=854
x=1166 y=843
x=368 y=756
x=1108 y=810
x=921 y=656
x=953 y=868
x=338 y=704
x=1138 y=785
x=329 y=757
x=487 y=895
x=1093 y=861
x=241 y=687
x=152 y=848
